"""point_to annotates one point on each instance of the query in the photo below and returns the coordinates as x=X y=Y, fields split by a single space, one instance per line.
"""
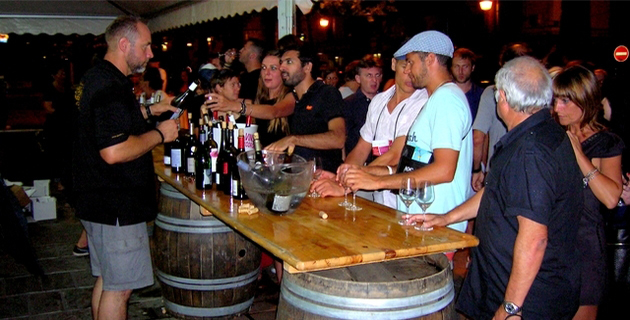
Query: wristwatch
x=511 y=307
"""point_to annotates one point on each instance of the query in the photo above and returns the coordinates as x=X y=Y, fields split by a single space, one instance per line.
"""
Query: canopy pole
x=286 y=17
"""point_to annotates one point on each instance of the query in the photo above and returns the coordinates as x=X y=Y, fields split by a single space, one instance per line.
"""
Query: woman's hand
x=217 y=102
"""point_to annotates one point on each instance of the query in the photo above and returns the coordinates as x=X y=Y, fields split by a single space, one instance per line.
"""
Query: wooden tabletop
x=306 y=242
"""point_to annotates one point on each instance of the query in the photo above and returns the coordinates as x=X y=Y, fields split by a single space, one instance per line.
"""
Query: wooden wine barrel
x=205 y=269
x=413 y=288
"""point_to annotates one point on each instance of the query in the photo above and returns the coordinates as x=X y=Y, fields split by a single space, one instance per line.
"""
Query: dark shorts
x=120 y=254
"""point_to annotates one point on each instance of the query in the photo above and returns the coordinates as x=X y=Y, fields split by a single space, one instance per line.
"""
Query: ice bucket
x=275 y=187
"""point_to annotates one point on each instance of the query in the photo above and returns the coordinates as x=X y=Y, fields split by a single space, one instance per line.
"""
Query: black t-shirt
x=534 y=175
x=108 y=115
x=267 y=137
x=249 y=84
x=355 y=111
x=320 y=104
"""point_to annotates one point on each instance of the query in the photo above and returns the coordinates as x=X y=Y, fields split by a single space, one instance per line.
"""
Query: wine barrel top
x=306 y=242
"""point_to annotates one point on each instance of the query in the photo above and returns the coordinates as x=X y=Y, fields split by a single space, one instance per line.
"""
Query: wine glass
x=425 y=197
x=345 y=202
x=317 y=172
x=407 y=194
x=354 y=206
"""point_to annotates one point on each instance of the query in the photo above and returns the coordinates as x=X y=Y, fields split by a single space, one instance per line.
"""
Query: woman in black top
x=598 y=153
x=272 y=105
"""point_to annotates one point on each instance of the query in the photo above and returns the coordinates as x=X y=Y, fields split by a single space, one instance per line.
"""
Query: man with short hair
x=251 y=56
x=526 y=264
x=439 y=142
x=462 y=67
x=382 y=137
x=317 y=126
x=350 y=84
x=369 y=74
x=487 y=127
x=113 y=168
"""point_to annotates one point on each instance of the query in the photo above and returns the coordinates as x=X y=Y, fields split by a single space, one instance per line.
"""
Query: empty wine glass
x=424 y=197
x=317 y=172
x=407 y=194
x=345 y=202
x=354 y=206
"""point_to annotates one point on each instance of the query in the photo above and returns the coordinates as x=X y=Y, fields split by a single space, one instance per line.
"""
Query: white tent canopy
x=92 y=17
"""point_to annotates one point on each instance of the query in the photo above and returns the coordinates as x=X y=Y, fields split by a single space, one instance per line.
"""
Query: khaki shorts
x=120 y=254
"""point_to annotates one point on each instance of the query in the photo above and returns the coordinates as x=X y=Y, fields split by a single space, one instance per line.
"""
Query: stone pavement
x=65 y=290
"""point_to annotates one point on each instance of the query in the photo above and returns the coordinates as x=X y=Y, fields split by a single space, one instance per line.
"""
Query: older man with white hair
x=526 y=264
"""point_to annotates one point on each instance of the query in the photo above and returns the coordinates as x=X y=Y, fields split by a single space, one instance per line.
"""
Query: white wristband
x=391 y=171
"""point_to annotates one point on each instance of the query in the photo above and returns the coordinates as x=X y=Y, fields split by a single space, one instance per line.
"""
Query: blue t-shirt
x=444 y=122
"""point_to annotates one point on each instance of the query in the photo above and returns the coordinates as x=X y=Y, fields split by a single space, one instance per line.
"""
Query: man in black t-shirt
x=526 y=264
x=317 y=126
x=113 y=168
x=250 y=56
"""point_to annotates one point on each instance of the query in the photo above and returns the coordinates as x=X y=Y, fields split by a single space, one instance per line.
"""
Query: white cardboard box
x=44 y=208
x=42 y=188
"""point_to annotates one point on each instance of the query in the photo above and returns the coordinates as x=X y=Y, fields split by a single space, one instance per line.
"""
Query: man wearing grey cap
x=439 y=142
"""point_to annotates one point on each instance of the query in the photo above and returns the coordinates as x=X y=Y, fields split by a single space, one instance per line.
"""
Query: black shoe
x=80 y=252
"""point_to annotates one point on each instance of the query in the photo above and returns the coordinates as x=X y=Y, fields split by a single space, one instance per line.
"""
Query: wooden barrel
x=205 y=269
x=413 y=288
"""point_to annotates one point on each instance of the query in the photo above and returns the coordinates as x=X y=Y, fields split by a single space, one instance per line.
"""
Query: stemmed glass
x=354 y=206
x=317 y=172
x=425 y=197
x=345 y=202
x=407 y=194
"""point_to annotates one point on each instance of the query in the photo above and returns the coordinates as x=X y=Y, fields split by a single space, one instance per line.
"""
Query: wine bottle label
x=235 y=187
x=167 y=160
x=176 y=158
x=207 y=177
x=214 y=154
x=202 y=138
x=190 y=162
x=217 y=178
x=225 y=168
x=281 y=203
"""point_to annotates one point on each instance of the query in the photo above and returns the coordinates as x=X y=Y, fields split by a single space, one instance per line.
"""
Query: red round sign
x=621 y=53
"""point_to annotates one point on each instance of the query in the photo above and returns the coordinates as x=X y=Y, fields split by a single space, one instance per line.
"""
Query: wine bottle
x=167 y=154
x=248 y=121
x=178 y=102
x=212 y=149
x=230 y=160
x=203 y=169
x=238 y=192
x=258 y=149
x=203 y=134
x=221 y=159
x=176 y=155
x=190 y=148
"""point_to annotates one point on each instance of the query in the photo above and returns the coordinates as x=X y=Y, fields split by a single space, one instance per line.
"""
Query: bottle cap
x=241 y=132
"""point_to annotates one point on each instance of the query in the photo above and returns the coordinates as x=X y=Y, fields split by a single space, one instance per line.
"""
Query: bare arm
x=334 y=138
x=529 y=249
x=606 y=185
x=392 y=156
x=440 y=171
x=478 y=144
x=360 y=153
x=465 y=211
x=282 y=108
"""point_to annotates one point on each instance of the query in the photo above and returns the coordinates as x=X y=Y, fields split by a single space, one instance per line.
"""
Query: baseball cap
x=427 y=41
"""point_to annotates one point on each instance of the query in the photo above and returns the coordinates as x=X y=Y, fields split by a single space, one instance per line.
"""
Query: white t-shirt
x=445 y=123
x=382 y=125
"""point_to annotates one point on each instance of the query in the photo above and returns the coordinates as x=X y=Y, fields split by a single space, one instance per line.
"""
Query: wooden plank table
x=306 y=242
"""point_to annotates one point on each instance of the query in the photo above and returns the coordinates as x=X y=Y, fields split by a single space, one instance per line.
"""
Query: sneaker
x=80 y=252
